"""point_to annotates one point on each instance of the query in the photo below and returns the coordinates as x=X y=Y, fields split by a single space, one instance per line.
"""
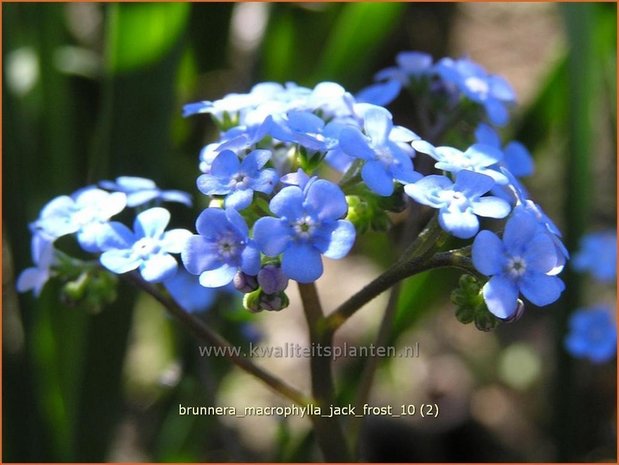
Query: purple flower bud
x=244 y=283
x=271 y=279
x=273 y=302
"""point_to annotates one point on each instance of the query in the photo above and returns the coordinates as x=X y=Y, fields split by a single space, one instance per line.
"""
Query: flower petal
x=342 y=240
x=501 y=296
x=265 y=181
x=225 y=164
x=158 y=267
x=491 y=207
x=212 y=223
x=239 y=199
x=175 y=240
x=116 y=236
x=355 y=144
x=119 y=261
x=462 y=224
x=218 y=277
x=288 y=203
x=380 y=94
x=200 y=254
x=32 y=279
x=302 y=262
x=88 y=236
x=151 y=222
x=236 y=220
x=210 y=184
x=541 y=289
x=272 y=235
x=520 y=228
x=250 y=259
x=377 y=178
x=377 y=124
x=488 y=254
x=326 y=200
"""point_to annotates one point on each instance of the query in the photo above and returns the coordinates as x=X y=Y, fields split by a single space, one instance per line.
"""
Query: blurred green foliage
x=94 y=91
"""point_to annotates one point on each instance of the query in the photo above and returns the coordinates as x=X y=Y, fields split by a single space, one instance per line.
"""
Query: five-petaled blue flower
x=520 y=262
x=593 y=334
x=238 y=179
x=309 y=225
x=85 y=212
x=598 y=255
x=491 y=91
x=142 y=190
x=459 y=202
x=221 y=247
x=148 y=247
x=387 y=157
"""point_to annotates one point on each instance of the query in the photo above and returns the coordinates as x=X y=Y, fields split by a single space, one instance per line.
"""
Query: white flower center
x=477 y=85
x=304 y=227
x=227 y=247
x=516 y=267
x=384 y=156
x=146 y=246
x=240 y=181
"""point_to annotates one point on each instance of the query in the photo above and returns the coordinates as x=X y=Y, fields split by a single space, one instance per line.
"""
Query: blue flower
x=309 y=225
x=306 y=129
x=34 y=278
x=520 y=262
x=387 y=157
x=593 y=334
x=186 y=290
x=516 y=158
x=148 y=247
x=86 y=212
x=480 y=158
x=142 y=190
x=221 y=248
x=391 y=80
x=491 y=91
x=598 y=255
x=459 y=202
x=238 y=180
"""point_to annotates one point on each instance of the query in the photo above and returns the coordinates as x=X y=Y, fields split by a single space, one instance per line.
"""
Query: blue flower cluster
x=598 y=256
x=451 y=80
x=87 y=213
x=593 y=330
x=593 y=334
x=290 y=164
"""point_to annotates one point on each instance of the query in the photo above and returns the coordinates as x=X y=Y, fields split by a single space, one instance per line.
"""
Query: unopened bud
x=274 y=302
x=272 y=279
x=251 y=301
x=245 y=283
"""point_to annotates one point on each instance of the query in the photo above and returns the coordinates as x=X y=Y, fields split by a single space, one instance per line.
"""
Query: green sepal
x=470 y=304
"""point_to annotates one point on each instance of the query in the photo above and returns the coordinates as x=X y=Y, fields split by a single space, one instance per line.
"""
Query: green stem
x=413 y=258
x=367 y=376
x=203 y=332
x=329 y=432
x=398 y=272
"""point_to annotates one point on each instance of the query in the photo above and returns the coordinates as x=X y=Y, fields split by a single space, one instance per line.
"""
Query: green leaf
x=142 y=33
x=358 y=33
